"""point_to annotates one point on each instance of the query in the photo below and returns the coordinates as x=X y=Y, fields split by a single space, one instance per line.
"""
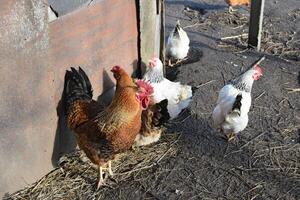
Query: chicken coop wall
x=34 y=56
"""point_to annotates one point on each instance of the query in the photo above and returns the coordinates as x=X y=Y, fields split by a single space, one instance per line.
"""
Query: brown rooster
x=232 y=3
x=103 y=133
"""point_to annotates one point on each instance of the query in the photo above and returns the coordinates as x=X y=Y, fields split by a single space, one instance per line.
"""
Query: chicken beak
x=261 y=75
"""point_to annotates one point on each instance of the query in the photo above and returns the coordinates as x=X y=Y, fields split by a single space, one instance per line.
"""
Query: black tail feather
x=194 y=89
x=87 y=82
x=162 y=115
x=176 y=31
x=237 y=103
x=77 y=87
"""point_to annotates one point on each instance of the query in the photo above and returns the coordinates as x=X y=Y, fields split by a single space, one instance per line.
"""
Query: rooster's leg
x=109 y=168
x=101 y=180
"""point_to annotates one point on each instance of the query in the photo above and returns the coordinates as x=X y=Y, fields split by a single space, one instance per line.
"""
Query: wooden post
x=256 y=20
x=150 y=30
x=162 y=33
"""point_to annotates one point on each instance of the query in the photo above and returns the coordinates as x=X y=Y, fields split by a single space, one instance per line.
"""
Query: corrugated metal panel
x=27 y=107
x=33 y=59
x=96 y=38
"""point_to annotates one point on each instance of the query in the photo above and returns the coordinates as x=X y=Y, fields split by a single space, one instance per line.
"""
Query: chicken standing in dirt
x=234 y=101
x=103 y=133
x=177 y=45
x=179 y=96
x=232 y=3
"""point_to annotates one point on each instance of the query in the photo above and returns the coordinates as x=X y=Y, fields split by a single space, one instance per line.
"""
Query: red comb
x=115 y=69
x=147 y=88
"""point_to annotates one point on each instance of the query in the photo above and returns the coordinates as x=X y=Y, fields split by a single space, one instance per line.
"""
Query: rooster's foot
x=101 y=180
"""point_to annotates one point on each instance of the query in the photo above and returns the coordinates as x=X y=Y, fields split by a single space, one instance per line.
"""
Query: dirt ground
x=196 y=163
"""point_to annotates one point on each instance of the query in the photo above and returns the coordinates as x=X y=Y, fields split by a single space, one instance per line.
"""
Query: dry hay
x=77 y=179
x=281 y=44
x=279 y=159
x=284 y=44
x=234 y=20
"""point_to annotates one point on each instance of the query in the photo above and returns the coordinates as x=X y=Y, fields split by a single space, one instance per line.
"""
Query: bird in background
x=104 y=132
x=178 y=45
x=232 y=3
x=178 y=95
x=231 y=112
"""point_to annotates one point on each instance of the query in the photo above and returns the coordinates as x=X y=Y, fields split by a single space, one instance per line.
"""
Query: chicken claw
x=230 y=137
x=101 y=180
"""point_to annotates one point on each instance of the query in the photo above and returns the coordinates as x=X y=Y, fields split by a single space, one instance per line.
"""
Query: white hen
x=234 y=101
x=177 y=44
x=178 y=95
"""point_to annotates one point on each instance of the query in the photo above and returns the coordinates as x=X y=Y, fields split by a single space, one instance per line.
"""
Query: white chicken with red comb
x=178 y=95
x=231 y=112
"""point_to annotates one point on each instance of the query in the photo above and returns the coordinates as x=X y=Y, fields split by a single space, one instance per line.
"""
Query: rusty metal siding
x=27 y=108
x=33 y=59
x=95 y=37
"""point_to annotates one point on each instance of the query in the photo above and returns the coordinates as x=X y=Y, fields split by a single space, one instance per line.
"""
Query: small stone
x=178 y=192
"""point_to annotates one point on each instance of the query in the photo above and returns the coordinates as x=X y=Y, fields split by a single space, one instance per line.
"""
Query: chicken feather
x=177 y=43
x=104 y=132
x=234 y=101
x=152 y=120
x=179 y=96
